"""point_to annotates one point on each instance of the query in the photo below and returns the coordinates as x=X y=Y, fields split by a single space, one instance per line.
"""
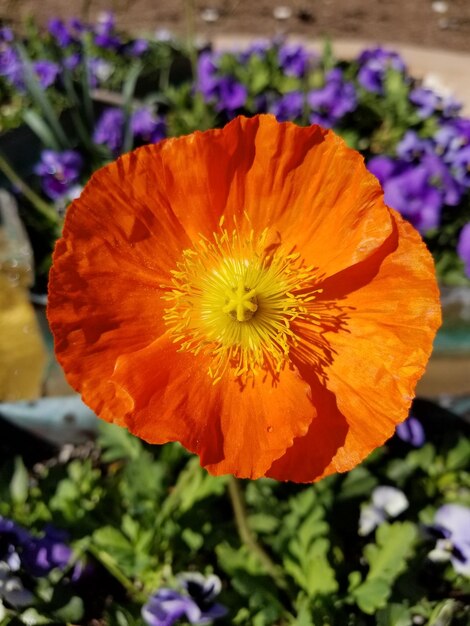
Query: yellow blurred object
x=22 y=351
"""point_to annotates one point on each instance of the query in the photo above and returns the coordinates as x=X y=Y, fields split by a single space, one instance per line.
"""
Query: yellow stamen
x=240 y=301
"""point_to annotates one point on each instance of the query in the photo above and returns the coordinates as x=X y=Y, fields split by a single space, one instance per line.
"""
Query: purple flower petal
x=463 y=247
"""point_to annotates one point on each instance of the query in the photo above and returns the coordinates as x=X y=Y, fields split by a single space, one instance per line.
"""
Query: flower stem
x=246 y=535
x=45 y=209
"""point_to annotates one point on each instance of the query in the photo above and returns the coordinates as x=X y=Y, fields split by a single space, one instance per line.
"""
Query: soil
x=439 y=24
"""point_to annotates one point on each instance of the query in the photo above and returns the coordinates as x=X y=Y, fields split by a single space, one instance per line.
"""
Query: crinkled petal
x=234 y=428
x=391 y=312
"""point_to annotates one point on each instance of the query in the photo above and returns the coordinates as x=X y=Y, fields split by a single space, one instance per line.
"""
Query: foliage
x=140 y=515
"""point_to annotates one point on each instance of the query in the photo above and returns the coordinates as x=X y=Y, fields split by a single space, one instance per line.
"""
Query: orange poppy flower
x=246 y=292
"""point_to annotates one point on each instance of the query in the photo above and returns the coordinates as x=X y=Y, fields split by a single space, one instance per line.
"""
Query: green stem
x=45 y=209
x=246 y=535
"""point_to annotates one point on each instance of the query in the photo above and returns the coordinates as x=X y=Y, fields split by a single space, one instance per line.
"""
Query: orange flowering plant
x=246 y=292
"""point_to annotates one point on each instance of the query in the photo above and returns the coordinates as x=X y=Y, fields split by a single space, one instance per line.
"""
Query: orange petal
x=233 y=429
x=119 y=243
x=306 y=184
x=392 y=315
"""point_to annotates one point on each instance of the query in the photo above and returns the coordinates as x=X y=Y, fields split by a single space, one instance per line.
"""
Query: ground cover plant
x=125 y=533
x=121 y=532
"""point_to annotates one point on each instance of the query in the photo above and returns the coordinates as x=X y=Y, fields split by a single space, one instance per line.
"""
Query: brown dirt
x=384 y=21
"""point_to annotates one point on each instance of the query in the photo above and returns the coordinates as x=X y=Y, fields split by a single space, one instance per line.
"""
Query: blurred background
x=444 y=23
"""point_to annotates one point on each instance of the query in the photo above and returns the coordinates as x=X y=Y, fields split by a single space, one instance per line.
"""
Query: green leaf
x=387 y=559
x=359 y=482
x=117 y=443
x=395 y=544
x=19 y=482
x=394 y=615
x=313 y=571
x=307 y=558
x=372 y=595
x=194 y=484
x=459 y=456
x=72 y=612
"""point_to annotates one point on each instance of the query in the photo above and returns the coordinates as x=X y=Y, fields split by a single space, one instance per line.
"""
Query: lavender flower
x=59 y=172
x=373 y=65
x=452 y=528
x=47 y=72
x=411 y=431
x=109 y=130
x=463 y=247
x=330 y=103
x=386 y=503
x=167 y=606
x=289 y=107
x=293 y=60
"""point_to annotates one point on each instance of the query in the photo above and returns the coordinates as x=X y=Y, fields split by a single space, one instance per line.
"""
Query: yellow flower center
x=241 y=302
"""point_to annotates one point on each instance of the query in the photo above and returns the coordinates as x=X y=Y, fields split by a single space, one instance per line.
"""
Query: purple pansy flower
x=230 y=95
x=386 y=503
x=258 y=48
x=59 y=172
x=452 y=528
x=411 y=431
x=72 y=61
x=330 y=103
x=12 y=589
x=463 y=247
x=146 y=126
x=137 y=47
x=167 y=606
x=412 y=147
x=428 y=102
x=60 y=32
x=411 y=193
x=11 y=67
x=382 y=167
x=289 y=107
x=293 y=60
x=99 y=71
x=109 y=130
x=425 y=101
x=207 y=80
x=373 y=65
x=40 y=555
x=460 y=166
x=6 y=35
x=105 y=36
x=47 y=72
